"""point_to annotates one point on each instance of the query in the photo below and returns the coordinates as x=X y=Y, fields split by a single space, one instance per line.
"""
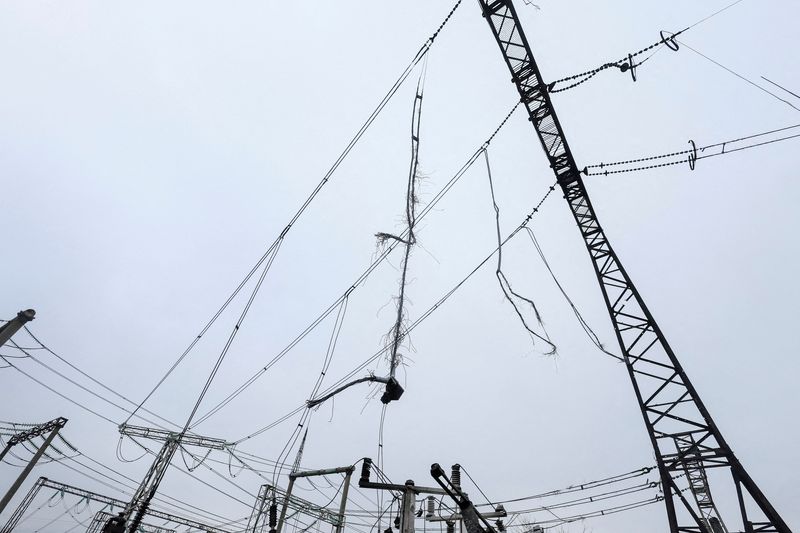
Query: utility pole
x=8 y=329
x=53 y=428
x=671 y=407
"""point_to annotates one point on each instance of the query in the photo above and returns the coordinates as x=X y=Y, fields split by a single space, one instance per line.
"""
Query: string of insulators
x=456 y=475
x=451 y=527
x=273 y=515
x=366 y=467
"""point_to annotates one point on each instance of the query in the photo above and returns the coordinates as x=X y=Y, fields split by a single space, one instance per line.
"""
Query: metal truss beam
x=163 y=435
x=112 y=503
x=669 y=403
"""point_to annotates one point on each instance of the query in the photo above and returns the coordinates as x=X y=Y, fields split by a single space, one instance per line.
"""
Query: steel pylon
x=686 y=440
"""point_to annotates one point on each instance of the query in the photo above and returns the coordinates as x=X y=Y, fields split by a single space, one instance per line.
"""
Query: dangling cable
x=584 y=325
x=410 y=240
x=508 y=291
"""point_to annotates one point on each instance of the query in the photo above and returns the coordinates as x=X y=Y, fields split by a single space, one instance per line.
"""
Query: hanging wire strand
x=105 y=387
x=421 y=53
x=432 y=309
x=584 y=325
x=360 y=280
x=505 y=286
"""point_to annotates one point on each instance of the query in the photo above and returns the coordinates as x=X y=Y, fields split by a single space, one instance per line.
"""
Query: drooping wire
x=304 y=418
x=410 y=240
x=625 y=491
x=379 y=460
x=359 y=281
x=230 y=340
x=781 y=87
x=32 y=357
x=421 y=53
x=432 y=309
x=584 y=325
x=626 y=64
x=505 y=286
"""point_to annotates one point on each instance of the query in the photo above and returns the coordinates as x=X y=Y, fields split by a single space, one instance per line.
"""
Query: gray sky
x=151 y=152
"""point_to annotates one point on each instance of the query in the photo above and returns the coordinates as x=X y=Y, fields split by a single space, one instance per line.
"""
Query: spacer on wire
x=669 y=41
x=692 y=155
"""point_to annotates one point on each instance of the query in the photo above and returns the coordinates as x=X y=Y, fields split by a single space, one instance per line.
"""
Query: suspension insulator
x=451 y=527
x=456 y=475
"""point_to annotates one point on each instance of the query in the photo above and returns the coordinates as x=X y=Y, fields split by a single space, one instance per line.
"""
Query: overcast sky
x=151 y=152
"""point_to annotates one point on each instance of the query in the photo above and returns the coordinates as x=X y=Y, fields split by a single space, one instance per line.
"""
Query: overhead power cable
x=100 y=397
x=628 y=64
x=559 y=521
x=505 y=285
x=584 y=325
x=360 y=279
x=741 y=77
x=414 y=324
x=272 y=249
x=690 y=155
x=581 y=486
x=105 y=387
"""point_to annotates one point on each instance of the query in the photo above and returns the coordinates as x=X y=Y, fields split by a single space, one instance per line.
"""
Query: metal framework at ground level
x=670 y=405
x=112 y=503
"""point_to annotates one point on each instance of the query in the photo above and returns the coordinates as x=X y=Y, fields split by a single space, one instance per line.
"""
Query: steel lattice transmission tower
x=686 y=440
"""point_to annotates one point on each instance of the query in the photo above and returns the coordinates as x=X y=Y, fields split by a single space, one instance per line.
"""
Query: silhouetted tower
x=686 y=440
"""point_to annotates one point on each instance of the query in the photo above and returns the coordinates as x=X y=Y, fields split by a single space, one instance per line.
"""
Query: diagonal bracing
x=671 y=407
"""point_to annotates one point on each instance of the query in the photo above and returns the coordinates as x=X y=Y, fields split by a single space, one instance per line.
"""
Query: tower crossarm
x=305 y=507
x=669 y=403
x=101 y=517
x=36 y=431
x=163 y=435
